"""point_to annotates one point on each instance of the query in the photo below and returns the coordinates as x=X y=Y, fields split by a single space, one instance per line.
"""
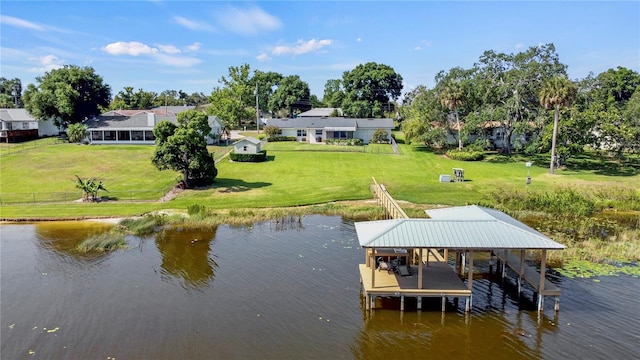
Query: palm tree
x=451 y=97
x=90 y=188
x=556 y=92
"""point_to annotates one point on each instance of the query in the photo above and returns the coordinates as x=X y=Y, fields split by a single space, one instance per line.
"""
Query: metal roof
x=248 y=139
x=20 y=114
x=474 y=228
x=317 y=122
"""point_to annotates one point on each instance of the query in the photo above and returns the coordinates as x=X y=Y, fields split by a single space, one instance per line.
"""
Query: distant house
x=248 y=145
x=315 y=129
x=136 y=126
x=19 y=125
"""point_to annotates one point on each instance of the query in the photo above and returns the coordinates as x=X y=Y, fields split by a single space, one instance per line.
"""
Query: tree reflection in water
x=185 y=255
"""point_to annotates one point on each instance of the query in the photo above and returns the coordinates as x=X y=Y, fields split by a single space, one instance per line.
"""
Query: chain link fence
x=71 y=196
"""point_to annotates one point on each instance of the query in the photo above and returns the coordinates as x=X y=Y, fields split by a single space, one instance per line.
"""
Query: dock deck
x=438 y=280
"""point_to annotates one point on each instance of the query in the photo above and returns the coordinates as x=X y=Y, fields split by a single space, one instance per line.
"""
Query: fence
x=70 y=196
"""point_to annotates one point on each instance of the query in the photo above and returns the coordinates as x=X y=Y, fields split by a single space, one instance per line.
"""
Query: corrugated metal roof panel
x=488 y=233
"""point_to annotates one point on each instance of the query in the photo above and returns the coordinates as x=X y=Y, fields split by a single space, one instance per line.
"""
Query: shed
x=248 y=145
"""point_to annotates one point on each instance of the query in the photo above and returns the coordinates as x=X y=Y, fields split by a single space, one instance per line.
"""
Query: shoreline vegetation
x=592 y=205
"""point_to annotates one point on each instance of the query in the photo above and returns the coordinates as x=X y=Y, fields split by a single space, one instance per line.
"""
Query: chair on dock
x=404 y=270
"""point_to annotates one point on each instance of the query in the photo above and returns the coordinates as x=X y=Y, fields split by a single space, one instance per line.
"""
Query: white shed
x=248 y=145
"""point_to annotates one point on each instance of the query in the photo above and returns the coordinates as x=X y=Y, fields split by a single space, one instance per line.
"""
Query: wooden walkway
x=538 y=281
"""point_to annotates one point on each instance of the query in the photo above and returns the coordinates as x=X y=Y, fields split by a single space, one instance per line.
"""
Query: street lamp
x=528 y=164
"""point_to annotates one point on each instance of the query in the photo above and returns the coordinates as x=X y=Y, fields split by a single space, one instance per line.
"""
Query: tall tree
x=266 y=83
x=234 y=101
x=69 y=95
x=452 y=97
x=10 y=93
x=292 y=94
x=506 y=87
x=369 y=88
x=555 y=93
x=183 y=148
x=424 y=119
x=333 y=93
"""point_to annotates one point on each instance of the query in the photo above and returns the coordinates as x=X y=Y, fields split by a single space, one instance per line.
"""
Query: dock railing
x=388 y=203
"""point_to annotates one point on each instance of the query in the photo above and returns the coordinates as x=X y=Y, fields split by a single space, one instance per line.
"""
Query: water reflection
x=185 y=255
x=62 y=237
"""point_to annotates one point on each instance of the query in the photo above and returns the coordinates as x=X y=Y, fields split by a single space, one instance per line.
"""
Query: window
x=245 y=148
x=124 y=135
x=319 y=132
x=25 y=125
x=109 y=135
x=137 y=135
x=302 y=132
x=148 y=135
x=96 y=135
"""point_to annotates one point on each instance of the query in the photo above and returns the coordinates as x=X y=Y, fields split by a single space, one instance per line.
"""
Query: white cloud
x=301 y=47
x=263 y=57
x=169 y=49
x=164 y=54
x=359 y=39
x=417 y=48
x=249 y=21
x=193 y=47
x=519 y=46
x=12 y=21
x=426 y=42
x=192 y=24
x=46 y=63
x=177 y=61
x=133 y=48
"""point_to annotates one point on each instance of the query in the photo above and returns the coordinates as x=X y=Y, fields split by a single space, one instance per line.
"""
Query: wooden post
x=556 y=306
x=504 y=263
x=419 y=303
x=470 y=281
x=420 y=269
x=444 y=302
x=446 y=254
x=401 y=302
x=373 y=268
x=521 y=271
x=463 y=261
x=543 y=266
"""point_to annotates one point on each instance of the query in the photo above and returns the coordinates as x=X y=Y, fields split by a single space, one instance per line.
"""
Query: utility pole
x=257 y=111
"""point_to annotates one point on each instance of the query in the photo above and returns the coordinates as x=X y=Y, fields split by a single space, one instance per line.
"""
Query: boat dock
x=421 y=243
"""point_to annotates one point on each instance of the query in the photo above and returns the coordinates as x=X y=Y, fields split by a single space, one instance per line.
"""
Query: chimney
x=151 y=119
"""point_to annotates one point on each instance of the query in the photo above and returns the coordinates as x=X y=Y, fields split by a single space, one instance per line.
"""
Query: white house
x=19 y=125
x=247 y=145
x=319 y=129
x=136 y=126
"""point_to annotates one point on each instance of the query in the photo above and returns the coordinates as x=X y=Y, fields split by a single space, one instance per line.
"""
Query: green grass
x=102 y=242
x=292 y=176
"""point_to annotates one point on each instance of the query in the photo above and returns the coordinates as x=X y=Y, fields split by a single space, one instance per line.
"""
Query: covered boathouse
x=423 y=245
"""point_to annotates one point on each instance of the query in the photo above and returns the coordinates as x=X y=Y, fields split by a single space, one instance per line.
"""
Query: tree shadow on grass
x=600 y=166
x=237 y=185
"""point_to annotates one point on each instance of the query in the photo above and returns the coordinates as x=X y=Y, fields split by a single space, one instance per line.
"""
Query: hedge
x=281 y=138
x=259 y=157
x=465 y=155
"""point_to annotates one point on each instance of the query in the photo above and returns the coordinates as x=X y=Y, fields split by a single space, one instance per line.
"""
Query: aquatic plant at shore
x=103 y=242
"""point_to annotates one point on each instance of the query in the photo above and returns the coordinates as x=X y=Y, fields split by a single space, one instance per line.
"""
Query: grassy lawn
x=293 y=175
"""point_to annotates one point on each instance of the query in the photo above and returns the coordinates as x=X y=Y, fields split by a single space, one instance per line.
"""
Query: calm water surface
x=276 y=290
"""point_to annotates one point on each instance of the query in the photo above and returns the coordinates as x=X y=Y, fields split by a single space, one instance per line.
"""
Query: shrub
x=345 y=142
x=272 y=131
x=465 y=155
x=380 y=136
x=259 y=157
x=282 y=138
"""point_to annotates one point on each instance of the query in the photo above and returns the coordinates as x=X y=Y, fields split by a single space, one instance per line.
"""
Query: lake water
x=275 y=290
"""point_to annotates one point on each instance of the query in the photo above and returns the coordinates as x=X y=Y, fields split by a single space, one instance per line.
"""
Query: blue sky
x=189 y=45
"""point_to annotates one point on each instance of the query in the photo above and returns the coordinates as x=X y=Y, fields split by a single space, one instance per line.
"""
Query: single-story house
x=247 y=145
x=319 y=129
x=19 y=125
x=136 y=126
